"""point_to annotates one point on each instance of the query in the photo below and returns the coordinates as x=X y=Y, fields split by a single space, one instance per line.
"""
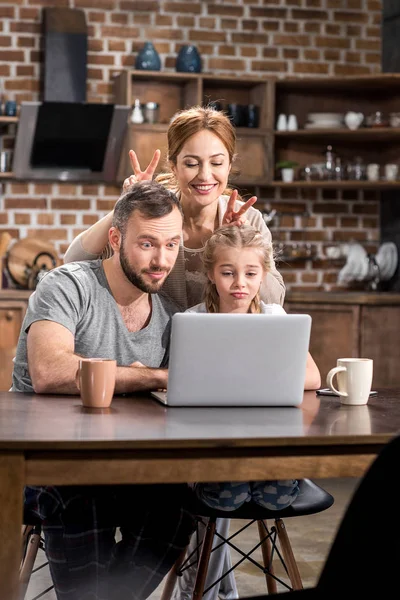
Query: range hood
x=69 y=141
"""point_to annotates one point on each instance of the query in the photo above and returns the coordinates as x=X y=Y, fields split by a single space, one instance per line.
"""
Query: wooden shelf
x=361 y=185
x=367 y=133
x=7 y=175
x=8 y=120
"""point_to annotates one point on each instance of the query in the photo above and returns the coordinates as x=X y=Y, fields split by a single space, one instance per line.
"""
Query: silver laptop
x=237 y=360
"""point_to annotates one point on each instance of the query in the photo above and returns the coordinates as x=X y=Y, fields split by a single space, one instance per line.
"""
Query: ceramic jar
x=188 y=60
x=148 y=59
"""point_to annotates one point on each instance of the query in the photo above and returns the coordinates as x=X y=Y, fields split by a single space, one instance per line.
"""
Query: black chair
x=312 y=499
x=364 y=559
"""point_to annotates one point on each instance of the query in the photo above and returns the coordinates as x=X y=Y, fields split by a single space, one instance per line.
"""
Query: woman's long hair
x=238 y=238
x=189 y=122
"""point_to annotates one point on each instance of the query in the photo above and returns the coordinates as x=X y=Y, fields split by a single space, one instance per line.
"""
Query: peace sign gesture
x=236 y=218
x=139 y=175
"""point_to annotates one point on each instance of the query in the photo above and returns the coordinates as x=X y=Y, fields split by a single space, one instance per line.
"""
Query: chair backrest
x=365 y=555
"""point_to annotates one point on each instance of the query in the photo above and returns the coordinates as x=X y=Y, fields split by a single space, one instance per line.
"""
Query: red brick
x=25 y=203
x=248 y=51
x=226 y=64
x=90 y=219
x=182 y=7
x=226 y=11
x=312 y=27
x=67 y=219
x=90 y=190
x=368 y=45
x=309 y=15
x=141 y=5
x=25 y=27
x=96 y=45
x=99 y=4
x=12 y=55
x=332 y=42
x=7 y=12
x=315 y=68
x=3 y=218
x=268 y=13
x=48 y=234
x=22 y=219
x=19 y=188
x=229 y=23
x=31 y=14
x=106 y=205
x=25 y=42
x=45 y=219
x=249 y=25
x=96 y=17
x=70 y=204
x=268 y=65
x=185 y=21
x=120 y=18
x=292 y=40
x=227 y=50
x=163 y=20
x=350 y=70
x=5 y=41
x=351 y=17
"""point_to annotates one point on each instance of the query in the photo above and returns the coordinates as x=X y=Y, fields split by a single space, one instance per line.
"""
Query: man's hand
x=236 y=218
x=139 y=175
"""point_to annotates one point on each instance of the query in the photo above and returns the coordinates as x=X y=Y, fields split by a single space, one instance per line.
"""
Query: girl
x=236 y=260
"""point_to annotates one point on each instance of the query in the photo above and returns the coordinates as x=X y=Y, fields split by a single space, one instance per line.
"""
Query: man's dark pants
x=79 y=525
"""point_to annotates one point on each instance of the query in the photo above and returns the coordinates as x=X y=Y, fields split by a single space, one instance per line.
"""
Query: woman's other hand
x=139 y=175
x=237 y=218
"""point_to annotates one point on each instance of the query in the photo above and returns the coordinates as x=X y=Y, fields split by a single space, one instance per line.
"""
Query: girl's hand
x=236 y=218
x=139 y=175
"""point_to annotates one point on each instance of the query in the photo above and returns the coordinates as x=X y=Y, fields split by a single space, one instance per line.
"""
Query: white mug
x=391 y=172
x=373 y=172
x=354 y=376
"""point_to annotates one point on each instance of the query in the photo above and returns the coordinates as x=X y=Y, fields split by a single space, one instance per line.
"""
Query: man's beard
x=135 y=278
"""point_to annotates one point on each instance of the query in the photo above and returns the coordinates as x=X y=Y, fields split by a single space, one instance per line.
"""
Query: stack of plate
x=324 y=121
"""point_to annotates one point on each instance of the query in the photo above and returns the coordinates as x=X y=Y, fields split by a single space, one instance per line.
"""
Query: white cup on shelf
x=391 y=172
x=282 y=124
x=292 y=123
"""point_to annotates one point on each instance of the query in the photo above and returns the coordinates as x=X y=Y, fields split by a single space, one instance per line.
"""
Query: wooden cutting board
x=22 y=255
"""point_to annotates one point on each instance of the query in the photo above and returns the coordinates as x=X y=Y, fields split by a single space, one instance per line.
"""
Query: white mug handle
x=329 y=379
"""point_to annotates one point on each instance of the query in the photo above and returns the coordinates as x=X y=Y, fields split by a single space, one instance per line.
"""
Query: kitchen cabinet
x=259 y=149
x=351 y=324
x=13 y=305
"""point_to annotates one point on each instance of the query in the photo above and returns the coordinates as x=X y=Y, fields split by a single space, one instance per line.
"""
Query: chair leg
x=28 y=562
x=172 y=577
x=290 y=561
x=266 y=554
x=204 y=560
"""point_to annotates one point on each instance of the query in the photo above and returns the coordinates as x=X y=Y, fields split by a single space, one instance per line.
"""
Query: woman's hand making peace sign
x=139 y=175
x=237 y=218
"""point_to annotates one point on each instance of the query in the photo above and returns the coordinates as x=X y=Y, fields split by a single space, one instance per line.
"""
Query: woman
x=201 y=151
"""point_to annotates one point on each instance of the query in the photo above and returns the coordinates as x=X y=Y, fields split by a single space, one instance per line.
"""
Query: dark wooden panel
x=380 y=341
x=334 y=332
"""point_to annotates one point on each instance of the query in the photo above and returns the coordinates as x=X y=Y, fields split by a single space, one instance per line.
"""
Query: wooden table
x=53 y=440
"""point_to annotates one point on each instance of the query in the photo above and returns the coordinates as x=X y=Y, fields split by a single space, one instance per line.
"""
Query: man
x=108 y=309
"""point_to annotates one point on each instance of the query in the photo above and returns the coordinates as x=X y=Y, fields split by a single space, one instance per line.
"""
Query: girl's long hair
x=238 y=238
x=189 y=122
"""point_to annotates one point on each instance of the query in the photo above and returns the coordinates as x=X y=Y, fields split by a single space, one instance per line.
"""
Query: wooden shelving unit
x=176 y=91
x=259 y=149
x=5 y=122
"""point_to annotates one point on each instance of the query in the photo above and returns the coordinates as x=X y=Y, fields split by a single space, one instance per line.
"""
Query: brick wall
x=276 y=37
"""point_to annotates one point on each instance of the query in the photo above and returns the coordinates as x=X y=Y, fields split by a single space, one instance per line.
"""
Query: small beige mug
x=95 y=379
x=354 y=377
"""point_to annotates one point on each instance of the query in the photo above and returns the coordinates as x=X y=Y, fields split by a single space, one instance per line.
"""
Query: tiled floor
x=310 y=537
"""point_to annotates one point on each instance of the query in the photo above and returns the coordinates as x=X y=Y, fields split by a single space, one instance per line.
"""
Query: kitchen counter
x=377 y=298
x=370 y=298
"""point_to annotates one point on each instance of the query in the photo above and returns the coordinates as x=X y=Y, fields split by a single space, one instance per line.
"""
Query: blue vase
x=188 y=60
x=148 y=59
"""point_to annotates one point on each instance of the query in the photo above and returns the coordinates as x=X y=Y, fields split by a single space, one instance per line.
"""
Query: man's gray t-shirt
x=78 y=297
